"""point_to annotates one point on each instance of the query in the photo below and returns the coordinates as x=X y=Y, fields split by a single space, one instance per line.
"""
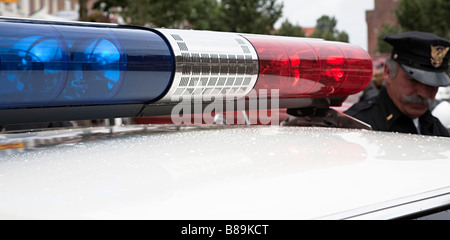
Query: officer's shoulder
x=361 y=106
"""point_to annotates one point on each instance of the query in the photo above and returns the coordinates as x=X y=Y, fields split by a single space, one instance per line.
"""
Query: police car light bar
x=72 y=70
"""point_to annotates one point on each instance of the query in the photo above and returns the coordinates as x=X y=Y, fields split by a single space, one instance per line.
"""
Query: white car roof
x=234 y=172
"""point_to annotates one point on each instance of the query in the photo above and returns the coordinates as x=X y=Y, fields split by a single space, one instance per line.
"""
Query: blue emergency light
x=60 y=65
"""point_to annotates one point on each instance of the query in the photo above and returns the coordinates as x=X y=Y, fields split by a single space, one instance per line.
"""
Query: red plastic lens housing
x=310 y=68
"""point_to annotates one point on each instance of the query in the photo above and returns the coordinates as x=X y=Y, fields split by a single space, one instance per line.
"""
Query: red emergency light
x=310 y=68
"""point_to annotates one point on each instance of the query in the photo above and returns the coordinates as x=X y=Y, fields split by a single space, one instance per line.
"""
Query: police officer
x=412 y=75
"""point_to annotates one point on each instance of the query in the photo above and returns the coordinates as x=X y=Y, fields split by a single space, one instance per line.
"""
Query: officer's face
x=411 y=97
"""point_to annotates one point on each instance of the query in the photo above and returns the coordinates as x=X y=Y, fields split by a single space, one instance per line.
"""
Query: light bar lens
x=58 y=65
x=96 y=66
x=50 y=64
x=301 y=68
x=33 y=64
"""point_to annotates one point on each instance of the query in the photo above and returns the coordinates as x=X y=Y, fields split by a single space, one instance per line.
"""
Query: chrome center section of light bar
x=210 y=65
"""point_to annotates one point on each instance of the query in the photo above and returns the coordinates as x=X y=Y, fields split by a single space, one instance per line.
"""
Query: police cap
x=423 y=56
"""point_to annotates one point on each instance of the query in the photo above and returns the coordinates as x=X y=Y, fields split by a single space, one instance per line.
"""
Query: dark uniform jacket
x=381 y=113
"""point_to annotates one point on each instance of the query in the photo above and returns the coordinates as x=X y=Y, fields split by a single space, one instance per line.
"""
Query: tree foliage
x=199 y=14
x=425 y=15
x=326 y=29
x=386 y=29
x=418 y=15
x=288 y=29
x=247 y=16
x=250 y=16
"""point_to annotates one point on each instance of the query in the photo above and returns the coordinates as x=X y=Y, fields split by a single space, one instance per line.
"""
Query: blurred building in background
x=59 y=10
x=383 y=13
x=42 y=9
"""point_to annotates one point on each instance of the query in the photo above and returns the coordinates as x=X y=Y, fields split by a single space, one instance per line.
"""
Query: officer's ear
x=387 y=74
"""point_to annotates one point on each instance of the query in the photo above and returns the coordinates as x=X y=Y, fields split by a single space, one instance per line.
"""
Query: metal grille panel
x=211 y=65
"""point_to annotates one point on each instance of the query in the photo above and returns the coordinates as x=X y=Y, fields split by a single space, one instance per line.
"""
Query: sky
x=350 y=15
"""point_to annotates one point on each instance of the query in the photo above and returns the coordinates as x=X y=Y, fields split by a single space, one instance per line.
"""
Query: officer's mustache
x=418 y=99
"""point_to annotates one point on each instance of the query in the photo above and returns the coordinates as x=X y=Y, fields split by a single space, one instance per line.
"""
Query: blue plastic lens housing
x=33 y=64
x=60 y=65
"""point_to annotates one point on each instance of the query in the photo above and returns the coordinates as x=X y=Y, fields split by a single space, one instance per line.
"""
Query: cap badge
x=437 y=55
